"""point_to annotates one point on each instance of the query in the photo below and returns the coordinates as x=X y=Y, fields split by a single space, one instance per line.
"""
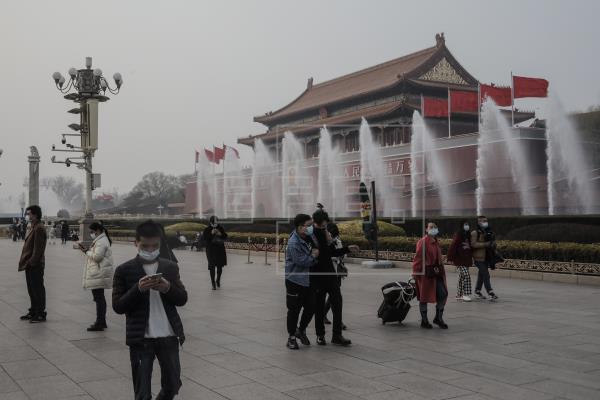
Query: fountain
x=372 y=168
x=331 y=185
x=566 y=162
x=494 y=129
x=296 y=184
x=235 y=189
x=264 y=180
x=422 y=144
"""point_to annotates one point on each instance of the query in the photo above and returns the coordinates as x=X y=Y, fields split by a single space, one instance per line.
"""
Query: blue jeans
x=483 y=277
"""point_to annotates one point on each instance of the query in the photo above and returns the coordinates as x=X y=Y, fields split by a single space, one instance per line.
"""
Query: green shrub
x=354 y=228
x=557 y=232
x=185 y=228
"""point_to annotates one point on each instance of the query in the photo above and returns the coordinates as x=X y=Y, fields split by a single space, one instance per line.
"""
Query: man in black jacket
x=325 y=281
x=147 y=289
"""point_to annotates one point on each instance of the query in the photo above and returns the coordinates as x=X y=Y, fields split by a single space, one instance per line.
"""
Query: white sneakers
x=464 y=298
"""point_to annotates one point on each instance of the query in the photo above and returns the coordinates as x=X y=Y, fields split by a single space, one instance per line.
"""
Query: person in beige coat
x=98 y=272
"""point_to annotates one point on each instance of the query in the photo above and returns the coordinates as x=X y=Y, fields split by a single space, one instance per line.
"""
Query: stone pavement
x=541 y=340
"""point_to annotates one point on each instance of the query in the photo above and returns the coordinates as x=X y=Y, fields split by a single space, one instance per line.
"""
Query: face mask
x=309 y=230
x=466 y=227
x=433 y=232
x=214 y=224
x=484 y=225
x=93 y=235
x=149 y=255
x=27 y=218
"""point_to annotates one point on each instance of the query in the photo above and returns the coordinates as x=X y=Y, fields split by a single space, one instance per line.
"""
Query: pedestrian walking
x=33 y=262
x=214 y=236
x=98 y=271
x=64 y=232
x=50 y=233
x=483 y=243
x=430 y=277
x=340 y=268
x=148 y=290
x=300 y=257
x=460 y=254
x=325 y=280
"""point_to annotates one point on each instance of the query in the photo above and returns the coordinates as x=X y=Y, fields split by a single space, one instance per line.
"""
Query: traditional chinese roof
x=434 y=65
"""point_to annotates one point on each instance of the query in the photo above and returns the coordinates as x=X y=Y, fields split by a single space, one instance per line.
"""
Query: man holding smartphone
x=148 y=289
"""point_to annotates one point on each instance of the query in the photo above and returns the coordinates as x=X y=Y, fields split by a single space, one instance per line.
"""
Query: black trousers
x=211 y=269
x=328 y=285
x=298 y=298
x=328 y=301
x=37 y=292
x=100 y=301
x=166 y=350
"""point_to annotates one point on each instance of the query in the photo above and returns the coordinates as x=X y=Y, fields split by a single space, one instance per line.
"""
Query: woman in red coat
x=430 y=277
x=460 y=254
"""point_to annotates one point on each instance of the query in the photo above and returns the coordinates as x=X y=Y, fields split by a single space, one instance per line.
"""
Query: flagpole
x=478 y=108
x=449 y=112
x=512 y=98
x=422 y=108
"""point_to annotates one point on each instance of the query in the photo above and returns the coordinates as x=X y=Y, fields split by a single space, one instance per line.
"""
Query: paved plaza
x=540 y=341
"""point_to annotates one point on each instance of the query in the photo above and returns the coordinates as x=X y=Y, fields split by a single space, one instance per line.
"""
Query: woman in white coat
x=98 y=272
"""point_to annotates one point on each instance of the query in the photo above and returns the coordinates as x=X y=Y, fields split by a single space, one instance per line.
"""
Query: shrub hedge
x=558 y=232
x=187 y=227
x=354 y=228
x=524 y=250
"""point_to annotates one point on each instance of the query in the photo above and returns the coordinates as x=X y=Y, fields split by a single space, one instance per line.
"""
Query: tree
x=156 y=187
x=63 y=214
x=68 y=191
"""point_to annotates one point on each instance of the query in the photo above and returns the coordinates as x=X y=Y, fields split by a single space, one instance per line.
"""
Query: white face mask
x=93 y=235
x=466 y=227
x=433 y=232
x=149 y=255
x=484 y=225
x=27 y=218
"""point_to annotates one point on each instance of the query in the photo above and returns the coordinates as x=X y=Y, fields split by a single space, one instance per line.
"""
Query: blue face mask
x=309 y=230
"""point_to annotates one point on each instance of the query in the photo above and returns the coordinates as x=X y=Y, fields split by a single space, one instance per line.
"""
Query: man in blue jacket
x=299 y=258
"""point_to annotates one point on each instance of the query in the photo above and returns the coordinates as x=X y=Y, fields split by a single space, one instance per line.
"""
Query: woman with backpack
x=98 y=271
x=461 y=255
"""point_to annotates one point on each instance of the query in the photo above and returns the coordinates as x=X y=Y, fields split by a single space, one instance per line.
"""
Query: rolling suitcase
x=396 y=301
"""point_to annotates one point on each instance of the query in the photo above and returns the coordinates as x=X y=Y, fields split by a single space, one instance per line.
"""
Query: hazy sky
x=196 y=72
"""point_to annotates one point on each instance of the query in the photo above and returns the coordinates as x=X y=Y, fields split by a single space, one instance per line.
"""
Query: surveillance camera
x=64 y=140
x=68 y=162
x=53 y=147
x=53 y=158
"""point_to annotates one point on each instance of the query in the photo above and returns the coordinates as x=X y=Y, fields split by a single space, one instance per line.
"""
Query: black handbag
x=434 y=271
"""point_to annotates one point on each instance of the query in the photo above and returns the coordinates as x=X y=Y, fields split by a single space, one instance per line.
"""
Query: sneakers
x=37 y=319
x=493 y=296
x=341 y=340
x=302 y=336
x=479 y=296
x=321 y=341
x=292 y=344
x=466 y=298
x=26 y=317
x=97 y=327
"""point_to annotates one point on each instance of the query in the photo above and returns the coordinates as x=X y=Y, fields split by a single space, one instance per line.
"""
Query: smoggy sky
x=196 y=72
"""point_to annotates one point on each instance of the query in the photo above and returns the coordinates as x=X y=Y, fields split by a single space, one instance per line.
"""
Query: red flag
x=219 y=154
x=433 y=107
x=210 y=156
x=501 y=95
x=529 y=87
x=462 y=101
x=237 y=153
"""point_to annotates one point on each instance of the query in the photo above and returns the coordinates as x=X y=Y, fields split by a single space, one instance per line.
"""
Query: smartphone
x=155 y=277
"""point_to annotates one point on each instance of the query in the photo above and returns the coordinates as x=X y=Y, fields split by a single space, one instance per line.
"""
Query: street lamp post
x=88 y=88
